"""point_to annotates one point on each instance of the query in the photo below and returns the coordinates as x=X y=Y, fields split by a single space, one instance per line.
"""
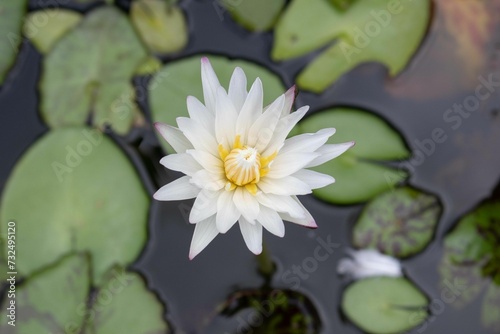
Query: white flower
x=367 y=263
x=238 y=163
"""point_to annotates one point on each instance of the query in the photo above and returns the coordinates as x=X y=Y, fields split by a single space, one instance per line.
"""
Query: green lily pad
x=45 y=27
x=52 y=301
x=89 y=72
x=161 y=26
x=384 y=305
x=124 y=305
x=399 y=223
x=360 y=175
x=170 y=87
x=375 y=30
x=254 y=15
x=74 y=190
x=11 y=15
x=490 y=310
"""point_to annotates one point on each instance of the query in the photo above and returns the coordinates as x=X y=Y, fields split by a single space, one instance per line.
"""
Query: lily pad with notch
x=254 y=15
x=384 y=305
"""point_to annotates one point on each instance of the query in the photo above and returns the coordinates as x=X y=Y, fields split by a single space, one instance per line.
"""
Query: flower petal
x=271 y=221
x=177 y=190
x=210 y=84
x=225 y=119
x=199 y=137
x=282 y=204
x=289 y=163
x=262 y=130
x=246 y=203
x=204 y=232
x=287 y=185
x=307 y=142
x=314 y=179
x=238 y=88
x=289 y=99
x=174 y=137
x=198 y=112
x=207 y=160
x=181 y=162
x=283 y=128
x=307 y=220
x=252 y=234
x=227 y=212
x=251 y=110
x=210 y=181
x=205 y=205
x=328 y=152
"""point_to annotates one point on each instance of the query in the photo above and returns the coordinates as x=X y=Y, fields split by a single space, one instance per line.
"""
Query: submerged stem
x=265 y=263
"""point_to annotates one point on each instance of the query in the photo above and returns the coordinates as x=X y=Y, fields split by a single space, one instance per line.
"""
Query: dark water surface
x=462 y=171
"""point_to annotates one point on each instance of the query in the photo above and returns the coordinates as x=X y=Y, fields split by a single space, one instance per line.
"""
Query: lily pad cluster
x=90 y=60
x=472 y=256
x=61 y=299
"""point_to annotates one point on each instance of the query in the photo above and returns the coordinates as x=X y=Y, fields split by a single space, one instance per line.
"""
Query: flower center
x=242 y=166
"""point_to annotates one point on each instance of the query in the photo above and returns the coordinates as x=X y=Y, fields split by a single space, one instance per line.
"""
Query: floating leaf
x=11 y=15
x=384 y=305
x=399 y=223
x=490 y=310
x=375 y=30
x=150 y=66
x=46 y=27
x=52 y=301
x=170 y=87
x=254 y=15
x=358 y=172
x=124 y=305
x=74 y=190
x=162 y=27
x=90 y=70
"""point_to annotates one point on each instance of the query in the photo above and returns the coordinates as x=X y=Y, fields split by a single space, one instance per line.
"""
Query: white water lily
x=368 y=263
x=239 y=164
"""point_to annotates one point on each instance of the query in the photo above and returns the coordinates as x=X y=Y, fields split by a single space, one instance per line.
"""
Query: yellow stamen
x=252 y=188
x=237 y=142
x=222 y=152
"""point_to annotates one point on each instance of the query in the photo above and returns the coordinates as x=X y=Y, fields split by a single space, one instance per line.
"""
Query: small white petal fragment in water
x=367 y=263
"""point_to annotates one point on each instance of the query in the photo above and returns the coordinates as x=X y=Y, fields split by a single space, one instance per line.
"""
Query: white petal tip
x=192 y=256
x=257 y=250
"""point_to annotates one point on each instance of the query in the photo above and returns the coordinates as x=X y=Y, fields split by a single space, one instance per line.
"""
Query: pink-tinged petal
x=328 y=152
x=271 y=221
x=174 y=137
x=177 y=190
x=252 y=234
x=289 y=99
x=210 y=84
x=238 y=88
x=204 y=232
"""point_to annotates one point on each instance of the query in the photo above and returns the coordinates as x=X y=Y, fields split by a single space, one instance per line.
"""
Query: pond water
x=462 y=171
